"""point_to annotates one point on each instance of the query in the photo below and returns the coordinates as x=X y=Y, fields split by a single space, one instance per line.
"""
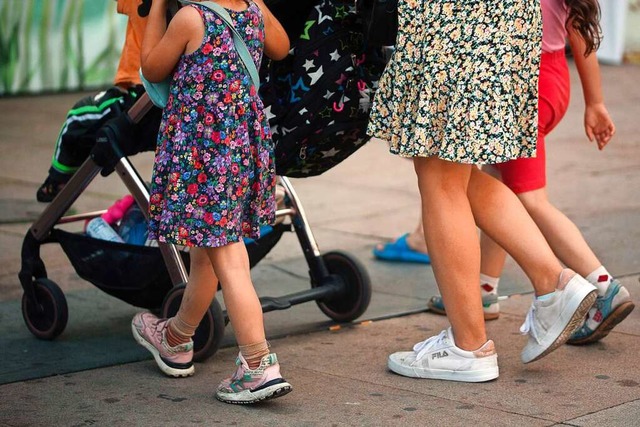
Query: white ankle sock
x=488 y=284
x=601 y=279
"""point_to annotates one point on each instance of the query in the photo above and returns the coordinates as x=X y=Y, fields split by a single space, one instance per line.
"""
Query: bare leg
x=499 y=213
x=200 y=290
x=450 y=232
x=493 y=257
x=231 y=264
x=562 y=234
x=416 y=240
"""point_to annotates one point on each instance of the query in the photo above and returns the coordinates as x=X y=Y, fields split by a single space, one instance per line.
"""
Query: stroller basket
x=135 y=274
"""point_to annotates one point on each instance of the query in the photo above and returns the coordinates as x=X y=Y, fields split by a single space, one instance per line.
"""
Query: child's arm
x=597 y=122
x=162 y=46
x=276 y=41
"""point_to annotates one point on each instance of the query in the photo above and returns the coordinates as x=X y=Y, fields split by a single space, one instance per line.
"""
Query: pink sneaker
x=150 y=331
x=251 y=386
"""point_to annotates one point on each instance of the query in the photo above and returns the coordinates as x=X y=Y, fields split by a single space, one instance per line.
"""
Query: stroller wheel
x=209 y=333
x=48 y=318
x=354 y=300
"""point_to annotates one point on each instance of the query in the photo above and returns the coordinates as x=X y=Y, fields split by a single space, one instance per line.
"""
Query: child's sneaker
x=438 y=358
x=551 y=322
x=609 y=310
x=253 y=385
x=490 y=306
x=150 y=332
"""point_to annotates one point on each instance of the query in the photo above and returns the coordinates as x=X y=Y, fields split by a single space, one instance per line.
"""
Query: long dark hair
x=584 y=17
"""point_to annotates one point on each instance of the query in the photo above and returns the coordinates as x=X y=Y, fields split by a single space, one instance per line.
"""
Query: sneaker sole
x=247 y=397
x=438 y=374
x=574 y=323
x=168 y=370
x=616 y=316
x=487 y=316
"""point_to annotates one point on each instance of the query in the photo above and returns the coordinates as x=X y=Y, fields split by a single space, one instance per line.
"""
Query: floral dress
x=462 y=84
x=214 y=176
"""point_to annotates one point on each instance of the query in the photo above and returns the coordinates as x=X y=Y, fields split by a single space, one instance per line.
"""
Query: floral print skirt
x=462 y=84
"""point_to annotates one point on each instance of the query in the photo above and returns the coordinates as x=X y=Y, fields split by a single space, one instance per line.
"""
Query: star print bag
x=318 y=98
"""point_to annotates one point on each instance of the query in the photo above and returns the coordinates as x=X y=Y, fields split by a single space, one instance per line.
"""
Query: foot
x=150 y=332
x=49 y=190
x=439 y=358
x=551 y=322
x=253 y=385
x=610 y=309
x=490 y=306
x=400 y=251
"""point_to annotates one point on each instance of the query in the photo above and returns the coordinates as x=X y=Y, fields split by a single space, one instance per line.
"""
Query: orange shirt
x=129 y=66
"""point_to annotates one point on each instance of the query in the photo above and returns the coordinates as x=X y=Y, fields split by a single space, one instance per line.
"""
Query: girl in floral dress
x=461 y=90
x=213 y=182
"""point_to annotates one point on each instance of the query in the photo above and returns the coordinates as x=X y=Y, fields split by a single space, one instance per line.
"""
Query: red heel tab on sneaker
x=487 y=349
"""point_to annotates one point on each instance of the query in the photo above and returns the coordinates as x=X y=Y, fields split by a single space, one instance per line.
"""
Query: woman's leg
x=499 y=214
x=450 y=233
x=462 y=352
x=554 y=316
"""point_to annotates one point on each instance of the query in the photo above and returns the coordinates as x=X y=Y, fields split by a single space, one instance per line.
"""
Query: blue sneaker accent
x=604 y=316
x=399 y=251
x=490 y=306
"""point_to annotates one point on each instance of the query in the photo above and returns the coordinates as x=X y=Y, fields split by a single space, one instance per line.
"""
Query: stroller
x=340 y=285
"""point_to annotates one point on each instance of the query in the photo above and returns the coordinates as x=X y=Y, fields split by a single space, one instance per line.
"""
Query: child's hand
x=598 y=124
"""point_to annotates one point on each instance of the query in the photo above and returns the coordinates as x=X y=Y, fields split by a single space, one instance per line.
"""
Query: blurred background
x=70 y=45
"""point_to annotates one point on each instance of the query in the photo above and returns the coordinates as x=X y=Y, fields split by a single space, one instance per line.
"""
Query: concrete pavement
x=94 y=373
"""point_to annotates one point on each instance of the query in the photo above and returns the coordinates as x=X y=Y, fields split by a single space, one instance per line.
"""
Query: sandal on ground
x=399 y=251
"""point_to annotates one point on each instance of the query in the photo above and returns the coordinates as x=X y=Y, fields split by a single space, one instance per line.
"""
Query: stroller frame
x=340 y=285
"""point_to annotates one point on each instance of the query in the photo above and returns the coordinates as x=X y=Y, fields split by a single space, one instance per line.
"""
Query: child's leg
x=562 y=234
x=169 y=340
x=257 y=376
x=198 y=295
x=231 y=264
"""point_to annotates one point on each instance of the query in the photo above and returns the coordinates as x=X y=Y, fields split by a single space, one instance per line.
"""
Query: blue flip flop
x=399 y=251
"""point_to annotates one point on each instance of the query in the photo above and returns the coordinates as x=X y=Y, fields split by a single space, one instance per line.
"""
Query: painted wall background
x=53 y=45
x=632 y=32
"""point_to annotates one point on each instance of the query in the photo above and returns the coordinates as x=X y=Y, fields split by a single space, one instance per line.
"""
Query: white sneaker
x=551 y=322
x=439 y=358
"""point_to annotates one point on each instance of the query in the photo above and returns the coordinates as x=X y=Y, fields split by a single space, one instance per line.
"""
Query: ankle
x=254 y=353
x=601 y=279
x=416 y=242
x=174 y=337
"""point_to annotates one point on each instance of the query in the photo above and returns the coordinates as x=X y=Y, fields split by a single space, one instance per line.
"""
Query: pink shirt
x=554 y=19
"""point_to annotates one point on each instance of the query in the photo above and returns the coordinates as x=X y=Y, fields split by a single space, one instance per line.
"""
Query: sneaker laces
x=528 y=325
x=433 y=342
